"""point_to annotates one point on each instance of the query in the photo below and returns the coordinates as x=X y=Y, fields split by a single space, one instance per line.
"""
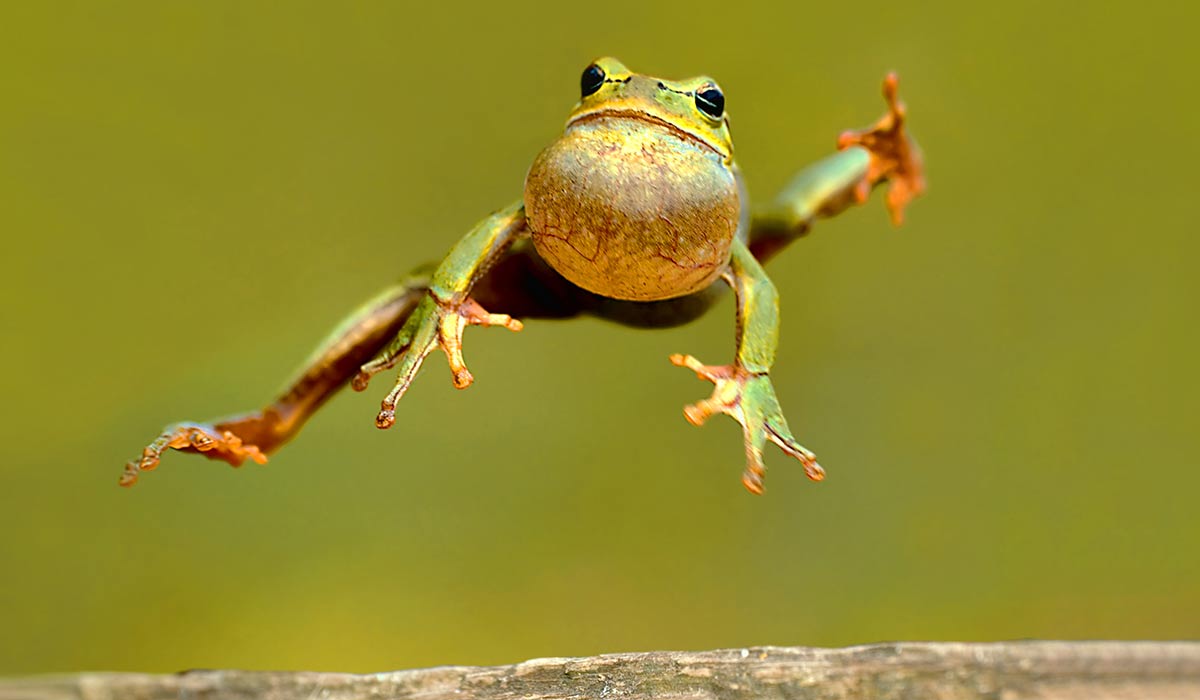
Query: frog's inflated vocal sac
x=633 y=214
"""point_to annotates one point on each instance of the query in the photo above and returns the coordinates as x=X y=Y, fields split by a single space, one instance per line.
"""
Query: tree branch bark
x=1004 y=671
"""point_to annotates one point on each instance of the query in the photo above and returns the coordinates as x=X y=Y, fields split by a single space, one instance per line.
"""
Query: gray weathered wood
x=1004 y=671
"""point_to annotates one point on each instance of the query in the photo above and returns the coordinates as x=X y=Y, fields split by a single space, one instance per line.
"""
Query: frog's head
x=638 y=199
x=694 y=108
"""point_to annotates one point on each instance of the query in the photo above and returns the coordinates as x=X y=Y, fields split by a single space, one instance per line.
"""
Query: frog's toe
x=698 y=413
x=778 y=433
x=192 y=437
x=362 y=379
x=756 y=471
x=409 y=365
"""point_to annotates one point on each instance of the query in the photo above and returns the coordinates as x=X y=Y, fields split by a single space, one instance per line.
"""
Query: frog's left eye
x=711 y=101
x=591 y=80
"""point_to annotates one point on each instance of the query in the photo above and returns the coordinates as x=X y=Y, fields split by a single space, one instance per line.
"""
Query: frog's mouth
x=648 y=118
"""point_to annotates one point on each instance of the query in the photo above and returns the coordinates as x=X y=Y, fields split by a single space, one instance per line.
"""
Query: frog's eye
x=591 y=80
x=711 y=101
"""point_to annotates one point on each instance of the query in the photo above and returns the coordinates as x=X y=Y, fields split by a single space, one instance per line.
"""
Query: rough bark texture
x=1005 y=671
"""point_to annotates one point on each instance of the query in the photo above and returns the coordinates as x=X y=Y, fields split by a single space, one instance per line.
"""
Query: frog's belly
x=632 y=213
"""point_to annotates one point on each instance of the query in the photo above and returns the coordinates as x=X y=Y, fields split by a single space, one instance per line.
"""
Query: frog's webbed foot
x=749 y=398
x=436 y=322
x=894 y=156
x=206 y=439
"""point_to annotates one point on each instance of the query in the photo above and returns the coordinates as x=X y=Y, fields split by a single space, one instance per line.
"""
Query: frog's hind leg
x=513 y=280
x=254 y=435
x=883 y=153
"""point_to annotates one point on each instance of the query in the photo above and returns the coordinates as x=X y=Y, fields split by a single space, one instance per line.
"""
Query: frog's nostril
x=661 y=86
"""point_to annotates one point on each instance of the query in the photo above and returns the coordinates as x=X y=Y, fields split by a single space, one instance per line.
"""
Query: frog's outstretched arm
x=882 y=153
x=446 y=309
x=744 y=390
x=252 y=435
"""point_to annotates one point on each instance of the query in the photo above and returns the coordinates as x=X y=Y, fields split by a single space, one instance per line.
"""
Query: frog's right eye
x=591 y=80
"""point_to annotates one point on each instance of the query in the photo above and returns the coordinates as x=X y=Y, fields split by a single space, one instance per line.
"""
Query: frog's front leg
x=446 y=310
x=743 y=389
x=881 y=154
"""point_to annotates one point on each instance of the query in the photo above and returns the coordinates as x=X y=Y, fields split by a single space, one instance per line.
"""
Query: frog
x=636 y=213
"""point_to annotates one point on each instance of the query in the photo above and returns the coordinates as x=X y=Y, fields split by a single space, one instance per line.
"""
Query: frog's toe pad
x=192 y=437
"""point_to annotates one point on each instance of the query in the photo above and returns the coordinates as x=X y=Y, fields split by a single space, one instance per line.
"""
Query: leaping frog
x=638 y=214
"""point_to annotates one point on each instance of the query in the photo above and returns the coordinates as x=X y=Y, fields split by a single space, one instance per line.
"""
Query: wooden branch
x=1003 y=671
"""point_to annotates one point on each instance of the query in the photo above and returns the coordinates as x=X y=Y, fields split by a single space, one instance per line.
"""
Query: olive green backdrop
x=1004 y=391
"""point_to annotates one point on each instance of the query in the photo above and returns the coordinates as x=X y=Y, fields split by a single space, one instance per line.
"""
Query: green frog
x=638 y=214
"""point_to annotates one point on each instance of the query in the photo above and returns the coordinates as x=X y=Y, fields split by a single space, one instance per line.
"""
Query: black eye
x=711 y=101
x=591 y=80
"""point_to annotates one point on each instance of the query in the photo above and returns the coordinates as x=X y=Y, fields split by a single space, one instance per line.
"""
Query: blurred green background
x=1004 y=391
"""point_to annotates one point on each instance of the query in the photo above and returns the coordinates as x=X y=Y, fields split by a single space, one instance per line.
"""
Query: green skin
x=504 y=268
